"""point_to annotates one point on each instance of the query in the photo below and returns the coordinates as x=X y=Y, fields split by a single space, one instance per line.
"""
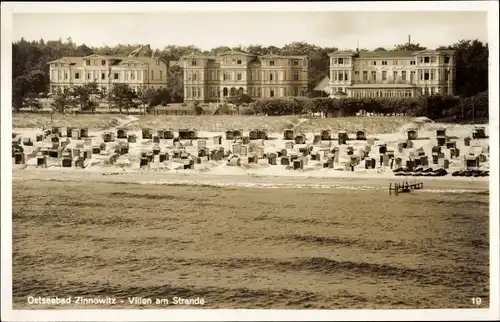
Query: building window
x=446 y=75
x=447 y=60
x=433 y=59
x=89 y=76
x=153 y=75
x=238 y=62
x=374 y=75
x=412 y=76
x=87 y=62
x=65 y=75
x=271 y=93
x=394 y=75
x=403 y=75
x=193 y=62
x=341 y=61
x=395 y=62
x=335 y=61
x=77 y=75
x=126 y=76
x=426 y=60
x=271 y=63
x=356 y=73
x=270 y=76
x=433 y=74
x=365 y=75
x=115 y=76
x=238 y=76
x=384 y=75
x=295 y=75
x=157 y=62
x=103 y=75
x=384 y=62
x=132 y=75
x=195 y=76
x=374 y=63
x=341 y=76
x=345 y=76
x=426 y=76
x=412 y=62
x=103 y=62
x=295 y=62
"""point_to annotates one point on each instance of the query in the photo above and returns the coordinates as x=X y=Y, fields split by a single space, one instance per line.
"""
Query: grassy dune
x=216 y=123
x=376 y=124
x=33 y=120
x=249 y=248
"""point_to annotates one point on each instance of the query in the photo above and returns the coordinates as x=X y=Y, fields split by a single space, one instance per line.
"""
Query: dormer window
x=238 y=61
x=157 y=62
x=447 y=60
x=341 y=61
x=103 y=62
x=271 y=63
x=295 y=62
x=426 y=60
x=193 y=62
x=87 y=62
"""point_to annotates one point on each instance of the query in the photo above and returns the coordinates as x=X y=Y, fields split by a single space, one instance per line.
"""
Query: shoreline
x=293 y=180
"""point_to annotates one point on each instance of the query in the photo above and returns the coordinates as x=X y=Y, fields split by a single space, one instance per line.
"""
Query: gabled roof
x=323 y=84
x=134 y=56
x=133 y=60
x=280 y=56
x=67 y=60
x=342 y=53
x=232 y=52
x=434 y=52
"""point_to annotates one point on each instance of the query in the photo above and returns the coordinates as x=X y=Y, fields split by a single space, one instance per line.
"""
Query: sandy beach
x=249 y=236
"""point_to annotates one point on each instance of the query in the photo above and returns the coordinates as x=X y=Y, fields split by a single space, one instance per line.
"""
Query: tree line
x=30 y=72
x=437 y=107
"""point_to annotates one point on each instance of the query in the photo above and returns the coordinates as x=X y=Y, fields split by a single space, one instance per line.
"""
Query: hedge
x=433 y=107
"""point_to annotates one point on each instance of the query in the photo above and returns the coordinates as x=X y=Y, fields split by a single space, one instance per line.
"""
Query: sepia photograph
x=291 y=158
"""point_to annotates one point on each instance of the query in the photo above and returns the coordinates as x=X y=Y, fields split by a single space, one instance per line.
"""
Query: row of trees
x=87 y=98
x=433 y=106
x=30 y=74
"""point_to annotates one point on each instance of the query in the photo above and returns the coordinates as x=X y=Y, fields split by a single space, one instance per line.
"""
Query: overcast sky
x=211 y=29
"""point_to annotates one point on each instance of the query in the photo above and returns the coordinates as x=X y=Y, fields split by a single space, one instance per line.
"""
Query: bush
x=433 y=107
x=198 y=109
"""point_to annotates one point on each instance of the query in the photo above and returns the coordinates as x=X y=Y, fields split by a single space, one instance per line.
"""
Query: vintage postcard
x=250 y=161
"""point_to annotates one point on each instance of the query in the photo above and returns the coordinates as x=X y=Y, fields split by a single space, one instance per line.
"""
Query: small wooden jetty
x=405 y=186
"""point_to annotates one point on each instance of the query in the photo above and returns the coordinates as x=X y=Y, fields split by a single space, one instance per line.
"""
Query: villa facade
x=214 y=78
x=391 y=73
x=139 y=69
